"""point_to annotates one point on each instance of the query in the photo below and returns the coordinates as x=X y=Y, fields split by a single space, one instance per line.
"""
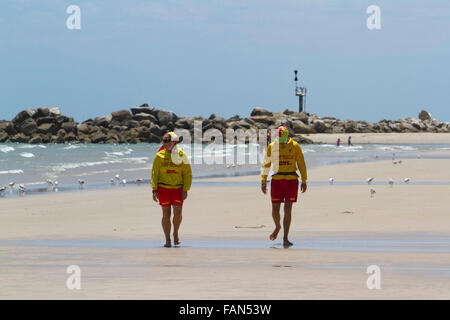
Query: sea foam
x=27 y=155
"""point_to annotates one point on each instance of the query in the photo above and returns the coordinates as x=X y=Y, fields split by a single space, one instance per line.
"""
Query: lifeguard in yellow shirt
x=171 y=181
x=285 y=156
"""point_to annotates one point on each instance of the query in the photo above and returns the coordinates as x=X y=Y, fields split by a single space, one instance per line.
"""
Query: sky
x=199 y=57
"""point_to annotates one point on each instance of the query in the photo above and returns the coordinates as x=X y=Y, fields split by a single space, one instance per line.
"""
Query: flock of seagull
x=370 y=180
x=117 y=181
x=12 y=186
x=20 y=189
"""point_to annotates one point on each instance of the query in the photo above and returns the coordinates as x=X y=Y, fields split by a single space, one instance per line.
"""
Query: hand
x=155 y=195
x=303 y=187
x=184 y=195
x=264 y=188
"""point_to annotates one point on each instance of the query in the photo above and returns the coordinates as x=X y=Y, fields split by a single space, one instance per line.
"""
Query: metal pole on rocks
x=300 y=92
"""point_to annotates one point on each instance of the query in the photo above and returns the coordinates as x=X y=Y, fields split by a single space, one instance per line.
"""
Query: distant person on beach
x=269 y=138
x=338 y=142
x=350 y=141
x=285 y=155
x=171 y=181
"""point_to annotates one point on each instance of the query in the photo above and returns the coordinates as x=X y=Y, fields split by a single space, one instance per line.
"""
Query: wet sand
x=338 y=231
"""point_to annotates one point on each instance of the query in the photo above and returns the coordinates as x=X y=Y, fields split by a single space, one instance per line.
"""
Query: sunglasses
x=166 y=140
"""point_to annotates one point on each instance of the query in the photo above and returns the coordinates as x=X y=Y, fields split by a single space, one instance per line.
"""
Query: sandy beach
x=115 y=237
x=395 y=137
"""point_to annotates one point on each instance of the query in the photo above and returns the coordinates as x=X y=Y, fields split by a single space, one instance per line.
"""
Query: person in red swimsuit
x=171 y=181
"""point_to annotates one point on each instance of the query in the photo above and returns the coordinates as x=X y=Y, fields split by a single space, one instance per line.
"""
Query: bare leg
x=166 y=225
x=287 y=223
x=177 y=217
x=276 y=219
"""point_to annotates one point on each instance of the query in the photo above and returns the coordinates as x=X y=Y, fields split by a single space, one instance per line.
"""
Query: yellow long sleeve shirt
x=285 y=158
x=171 y=173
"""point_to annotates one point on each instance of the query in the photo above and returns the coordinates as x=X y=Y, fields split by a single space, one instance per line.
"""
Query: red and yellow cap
x=174 y=137
x=283 y=134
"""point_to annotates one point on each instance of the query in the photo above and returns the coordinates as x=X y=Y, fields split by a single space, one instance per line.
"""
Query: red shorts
x=284 y=190
x=169 y=196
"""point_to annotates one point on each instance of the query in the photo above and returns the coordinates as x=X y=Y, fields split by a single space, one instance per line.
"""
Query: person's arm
x=155 y=177
x=187 y=176
x=186 y=172
x=302 y=168
x=266 y=168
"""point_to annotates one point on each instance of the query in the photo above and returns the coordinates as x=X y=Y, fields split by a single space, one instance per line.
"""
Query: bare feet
x=287 y=243
x=274 y=234
x=168 y=244
x=176 y=240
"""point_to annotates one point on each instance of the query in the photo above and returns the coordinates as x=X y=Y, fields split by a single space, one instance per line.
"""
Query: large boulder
x=3 y=136
x=35 y=140
x=28 y=127
x=184 y=123
x=121 y=115
x=102 y=121
x=156 y=129
x=143 y=109
x=42 y=112
x=424 y=115
x=19 y=138
x=164 y=117
x=302 y=116
x=320 y=126
x=263 y=118
x=54 y=112
x=258 y=111
x=301 y=139
x=61 y=119
x=143 y=116
x=47 y=128
x=23 y=115
x=46 y=119
x=300 y=127
x=84 y=128
x=69 y=127
x=98 y=137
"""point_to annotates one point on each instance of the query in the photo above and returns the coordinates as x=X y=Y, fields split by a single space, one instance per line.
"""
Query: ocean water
x=96 y=164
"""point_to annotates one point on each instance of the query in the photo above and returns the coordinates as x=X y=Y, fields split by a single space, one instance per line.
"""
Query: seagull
x=81 y=183
x=331 y=181
x=49 y=182
x=2 y=190
x=372 y=192
x=112 y=180
x=21 y=189
x=406 y=180
x=55 y=183
x=117 y=177
x=11 y=184
x=124 y=181
x=369 y=180
x=399 y=161
x=391 y=182
x=139 y=180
